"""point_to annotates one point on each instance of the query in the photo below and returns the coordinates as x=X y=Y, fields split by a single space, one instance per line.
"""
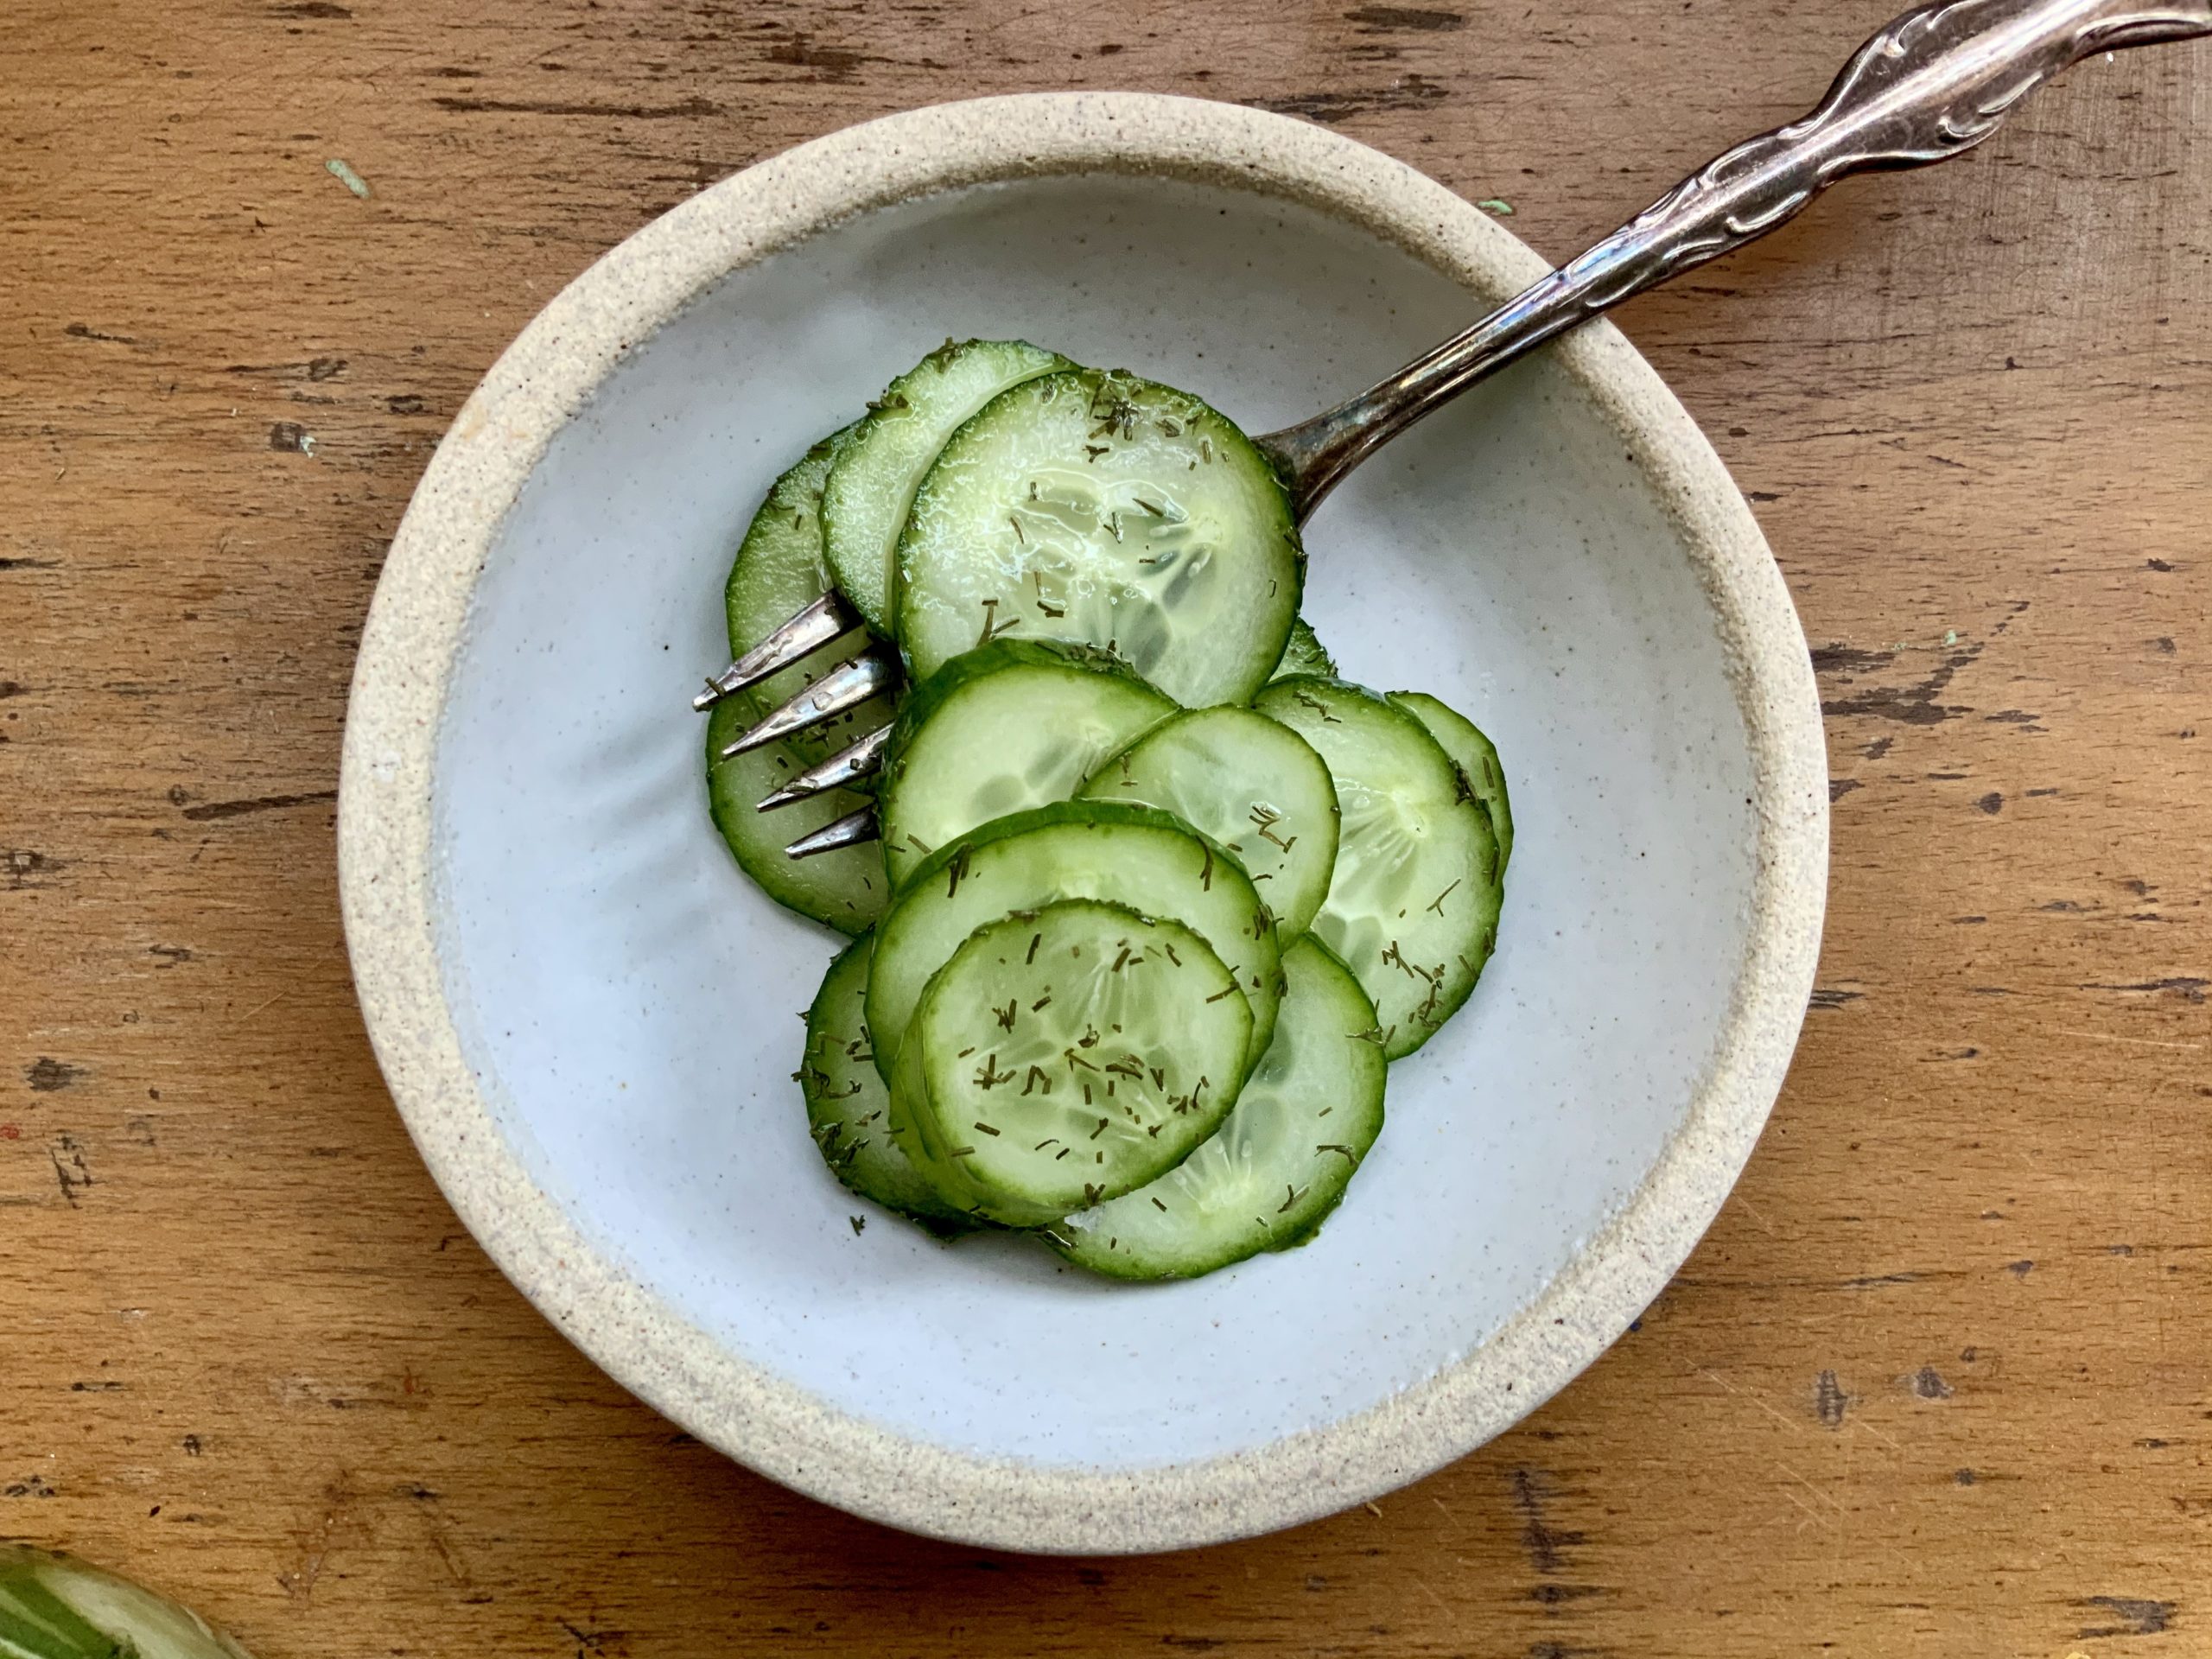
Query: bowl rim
x=410 y=645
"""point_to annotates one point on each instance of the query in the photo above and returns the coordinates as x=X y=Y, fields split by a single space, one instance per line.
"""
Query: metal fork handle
x=1933 y=83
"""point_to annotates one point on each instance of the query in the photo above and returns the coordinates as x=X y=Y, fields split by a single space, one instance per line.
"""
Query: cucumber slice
x=1156 y=865
x=1253 y=784
x=1413 y=904
x=1065 y=1056
x=1305 y=654
x=779 y=569
x=1280 y=1160
x=846 y=889
x=848 y=1108
x=1105 y=509
x=1012 y=725
x=58 y=1607
x=1475 y=755
x=869 y=491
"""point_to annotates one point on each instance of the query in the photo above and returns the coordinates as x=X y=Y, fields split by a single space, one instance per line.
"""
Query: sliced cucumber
x=58 y=1607
x=1281 y=1158
x=870 y=488
x=1012 y=725
x=1253 y=784
x=848 y=888
x=848 y=1108
x=1475 y=755
x=1305 y=654
x=1065 y=1056
x=1156 y=865
x=779 y=569
x=1413 y=904
x=1112 y=510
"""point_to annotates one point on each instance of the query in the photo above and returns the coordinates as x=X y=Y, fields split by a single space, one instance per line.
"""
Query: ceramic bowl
x=586 y=1013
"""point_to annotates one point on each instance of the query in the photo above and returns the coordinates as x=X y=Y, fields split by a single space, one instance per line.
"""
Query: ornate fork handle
x=1935 y=82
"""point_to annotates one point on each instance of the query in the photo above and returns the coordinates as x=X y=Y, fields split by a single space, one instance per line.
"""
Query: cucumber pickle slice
x=779 y=569
x=1111 y=510
x=1251 y=783
x=846 y=889
x=868 y=490
x=1281 y=1158
x=1067 y=1055
x=1412 y=903
x=1156 y=865
x=1305 y=654
x=1013 y=725
x=848 y=1108
x=1476 y=756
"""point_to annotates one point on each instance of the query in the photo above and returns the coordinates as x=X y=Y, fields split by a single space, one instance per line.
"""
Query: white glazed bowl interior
x=587 y=1013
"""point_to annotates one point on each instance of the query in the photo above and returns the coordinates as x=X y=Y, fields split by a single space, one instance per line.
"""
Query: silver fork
x=1935 y=81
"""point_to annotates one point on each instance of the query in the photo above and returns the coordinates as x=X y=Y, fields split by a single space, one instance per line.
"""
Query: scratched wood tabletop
x=1940 y=1379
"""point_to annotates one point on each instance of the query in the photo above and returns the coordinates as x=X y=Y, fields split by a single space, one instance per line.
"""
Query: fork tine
x=845 y=767
x=811 y=629
x=851 y=830
x=845 y=686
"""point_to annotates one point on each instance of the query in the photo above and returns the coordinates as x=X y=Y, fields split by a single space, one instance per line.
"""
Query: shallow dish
x=585 y=1012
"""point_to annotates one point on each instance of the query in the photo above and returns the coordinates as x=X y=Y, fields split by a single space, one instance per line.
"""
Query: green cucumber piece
x=1413 y=904
x=778 y=570
x=865 y=500
x=1475 y=755
x=58 y=1607
x=1065 y=1056
x=848 y=1108
x=1156 y=865
x=1251 y=783
x=1012 y=725
x=846 y=889
x=1281 y=1158
x=1109 y=510
x=1305 y=654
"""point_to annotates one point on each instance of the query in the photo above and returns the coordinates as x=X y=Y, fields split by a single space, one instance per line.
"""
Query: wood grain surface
x=1938 y=1383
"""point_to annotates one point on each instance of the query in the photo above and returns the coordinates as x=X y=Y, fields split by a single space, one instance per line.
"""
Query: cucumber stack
x=1158 y=895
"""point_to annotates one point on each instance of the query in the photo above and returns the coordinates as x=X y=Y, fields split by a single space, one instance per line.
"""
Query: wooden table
x=1940 y=1379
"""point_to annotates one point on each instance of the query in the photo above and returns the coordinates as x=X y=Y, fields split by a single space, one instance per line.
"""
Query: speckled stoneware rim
x=409 y=650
